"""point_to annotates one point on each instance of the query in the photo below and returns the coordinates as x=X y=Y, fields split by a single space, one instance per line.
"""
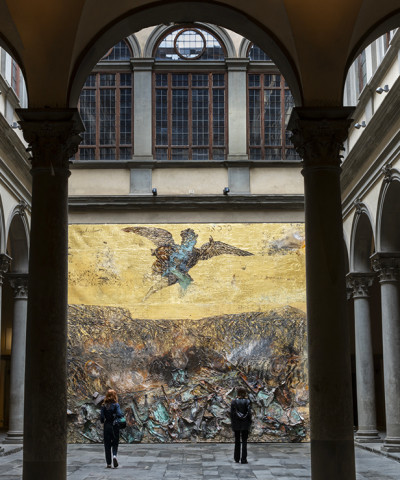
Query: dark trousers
x=111 y=440
x=241 y=437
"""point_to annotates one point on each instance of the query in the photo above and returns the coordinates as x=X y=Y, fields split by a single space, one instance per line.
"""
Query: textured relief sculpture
x=175 y=358
x=174 y=261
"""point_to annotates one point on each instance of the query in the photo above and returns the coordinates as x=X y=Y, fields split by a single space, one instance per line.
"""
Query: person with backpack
x=109 y=415
x=241 y=422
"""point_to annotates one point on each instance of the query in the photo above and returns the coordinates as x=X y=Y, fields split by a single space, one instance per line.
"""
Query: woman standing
x=241 y=422
x=110 y=412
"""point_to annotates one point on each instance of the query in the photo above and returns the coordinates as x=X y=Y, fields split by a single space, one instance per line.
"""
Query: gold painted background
x=175 y=353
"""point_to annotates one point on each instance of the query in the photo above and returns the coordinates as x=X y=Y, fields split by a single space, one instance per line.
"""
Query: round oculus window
x=190 y=44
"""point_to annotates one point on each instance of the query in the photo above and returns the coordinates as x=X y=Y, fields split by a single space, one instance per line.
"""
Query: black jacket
x=110 y=412
x=241 y=414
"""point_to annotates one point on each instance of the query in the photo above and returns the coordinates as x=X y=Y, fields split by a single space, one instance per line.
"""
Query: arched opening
x=362 y=248
x=175 y=13
x=17 y=264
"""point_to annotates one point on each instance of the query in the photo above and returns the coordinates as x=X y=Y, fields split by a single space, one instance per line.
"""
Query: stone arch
x=243 y=48
x=161 y=30
x=362 y=241
x=134 y=45
x=17 y=239
x=183 y=12
x=388 y=214
x=2 y=228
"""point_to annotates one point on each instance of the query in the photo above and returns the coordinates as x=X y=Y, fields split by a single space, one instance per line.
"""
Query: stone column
x=367 y=432
x=53 y=138
x=19 y=282
x=318 y=134
x=237 y=107
x=387 y=265
x=5 y=261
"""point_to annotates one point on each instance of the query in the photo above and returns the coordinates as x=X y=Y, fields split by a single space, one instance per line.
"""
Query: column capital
x=319 y=133
x=359 y=283
x=5 y=261
x=19 y=283
x=387 y=265
x=53 y=137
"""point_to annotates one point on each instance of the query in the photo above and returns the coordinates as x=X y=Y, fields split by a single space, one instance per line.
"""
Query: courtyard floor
x=201 y=462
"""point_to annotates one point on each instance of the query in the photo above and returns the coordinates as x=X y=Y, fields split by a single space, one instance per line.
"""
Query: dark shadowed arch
x=17 y=244
x=388 y=231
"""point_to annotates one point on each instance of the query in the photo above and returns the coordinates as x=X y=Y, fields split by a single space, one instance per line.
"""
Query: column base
x=14 y=437
x=367 y=436
x=391 y=444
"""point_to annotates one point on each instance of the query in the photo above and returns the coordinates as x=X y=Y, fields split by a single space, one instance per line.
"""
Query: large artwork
x=175 y=316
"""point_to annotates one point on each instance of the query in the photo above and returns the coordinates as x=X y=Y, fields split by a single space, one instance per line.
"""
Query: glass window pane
x=161 y=117
x=272 y=81
x=180 y=154
x=125 y=79
x=200 y=154
x=255 y=154
x=161 y=154
x=125 y=153
x=125 y=117
x=90 y=81
x=161 y=80
x=254 y=117
x=120 y=51
x=107 y=117
x=254 y=80
x=256 y=54
x=272 y=117
x=87 y=108
x=180 y=113
x=180 y=80
x=218 y=117
x=291 y=154
x=87 y=154
x=218 y=80
x=107 y=79
x=200 y=104
x=107 y=153
x=273 y=154
x=218 y=153
x=199 y=80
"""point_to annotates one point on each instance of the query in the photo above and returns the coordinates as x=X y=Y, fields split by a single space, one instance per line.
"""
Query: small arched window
x=120 y=51
x=190 y=43
x=258 y=55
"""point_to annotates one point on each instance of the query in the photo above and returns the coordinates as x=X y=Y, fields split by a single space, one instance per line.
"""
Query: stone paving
x=202 y=462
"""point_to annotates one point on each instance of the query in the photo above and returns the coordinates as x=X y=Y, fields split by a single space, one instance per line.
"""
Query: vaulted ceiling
x=313 y=42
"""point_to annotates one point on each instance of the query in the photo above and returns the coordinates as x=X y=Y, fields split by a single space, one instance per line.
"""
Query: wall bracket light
x=382 y=89
x=225 y=191
x=154 y=192
x=359 y=125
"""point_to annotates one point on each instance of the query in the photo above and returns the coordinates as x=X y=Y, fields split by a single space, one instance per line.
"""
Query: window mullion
x=169 y=113
x=98 y=113
x=262 y=116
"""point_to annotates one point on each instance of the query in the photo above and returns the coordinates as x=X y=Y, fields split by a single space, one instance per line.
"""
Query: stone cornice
x=153 y=164
x=187 y=202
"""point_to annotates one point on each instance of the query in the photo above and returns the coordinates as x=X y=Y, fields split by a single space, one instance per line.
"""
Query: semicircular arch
x=388 y=213
x=159 y=32
x=18 y=239
x=362 y=241
x=203 y=12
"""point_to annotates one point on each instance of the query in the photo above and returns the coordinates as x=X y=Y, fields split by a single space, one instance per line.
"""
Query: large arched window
x=189 y=106
x=269 y=105
x=106 y=109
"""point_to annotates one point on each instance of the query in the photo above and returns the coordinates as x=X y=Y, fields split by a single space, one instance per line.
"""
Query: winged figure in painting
x=173 y=261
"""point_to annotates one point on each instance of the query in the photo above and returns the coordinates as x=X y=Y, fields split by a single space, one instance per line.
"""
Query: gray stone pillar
x=318 y=134
x=19 y=283
x=388 y=267
x=5 y=261
x=53 y=138
x=367 y=432
x=237 y=107
x=142 y=117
